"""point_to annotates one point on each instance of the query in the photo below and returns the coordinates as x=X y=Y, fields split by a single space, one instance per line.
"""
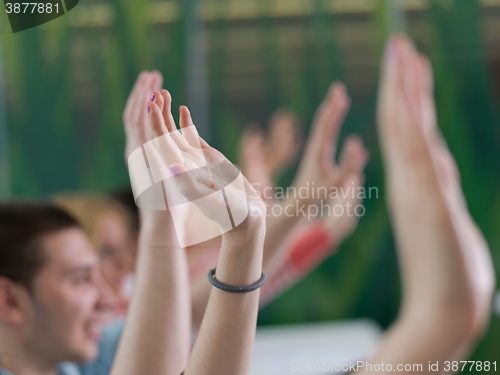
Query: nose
x=124 y=258
x=107 y=300
x=125 y=262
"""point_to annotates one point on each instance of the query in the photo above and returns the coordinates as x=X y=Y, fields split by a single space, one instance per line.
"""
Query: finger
x=181 y=142
x=185 y=117
x=156 y=121
x=353 y=181
x=428 y=109
x=404 y=143
x=392 y=72
x=190 y=131
x=443 y=159
x=157 y=80
x=143 y=97
x=333 y=116
x=413 y=130
x=332 y=111
x=140 y=98
x=133 y=93
x=167 y=148
x=154 y=85
x=282 y=121
x=167 y=111
x=188 y=128
x=390 y=89
x=412 y=80
x=281 y=141
x=252 y=144
x=354 y=155
x=399 y=114
x=427 y=74
x=157 y=98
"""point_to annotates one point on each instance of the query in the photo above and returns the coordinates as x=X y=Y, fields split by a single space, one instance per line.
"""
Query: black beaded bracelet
x=235 y=289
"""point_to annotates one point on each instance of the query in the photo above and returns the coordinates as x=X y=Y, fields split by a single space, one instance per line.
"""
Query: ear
x=13 y=302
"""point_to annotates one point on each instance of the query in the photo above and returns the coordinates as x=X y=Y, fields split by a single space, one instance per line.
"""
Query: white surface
x=313 y=343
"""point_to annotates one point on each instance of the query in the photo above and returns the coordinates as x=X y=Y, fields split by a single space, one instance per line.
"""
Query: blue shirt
x=102 y=365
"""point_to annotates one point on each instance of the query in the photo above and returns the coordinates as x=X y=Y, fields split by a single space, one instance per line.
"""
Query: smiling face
x=69 y=299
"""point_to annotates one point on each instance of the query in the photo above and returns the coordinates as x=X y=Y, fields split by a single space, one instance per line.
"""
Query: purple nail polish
x=149 y=109
x=152 y=97
x=175 y=171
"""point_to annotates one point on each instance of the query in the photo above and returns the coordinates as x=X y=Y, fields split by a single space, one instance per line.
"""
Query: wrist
x=150 y=219
x=240 y=259
x=157 y=229
x=251 y=231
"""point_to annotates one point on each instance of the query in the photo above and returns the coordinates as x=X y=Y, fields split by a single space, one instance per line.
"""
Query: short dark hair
x=23 y=224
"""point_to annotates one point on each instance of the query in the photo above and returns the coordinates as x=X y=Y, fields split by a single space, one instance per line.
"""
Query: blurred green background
x=64 y=86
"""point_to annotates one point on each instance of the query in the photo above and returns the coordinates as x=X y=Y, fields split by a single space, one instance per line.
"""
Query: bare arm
x=224 y=344
x=318 y=171
x=317 y=167
x=226 y=336
x=156 y=337
x=445 y=263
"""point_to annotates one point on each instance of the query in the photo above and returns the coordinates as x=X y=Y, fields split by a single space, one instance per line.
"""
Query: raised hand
x=135 y=115
x=429 y=210
x=202 y=174
x=447 y=271
x=318 y=163
x=204 y=177
x=264 y=157
x=283 y=141
x=352 y=163
x=253 y=161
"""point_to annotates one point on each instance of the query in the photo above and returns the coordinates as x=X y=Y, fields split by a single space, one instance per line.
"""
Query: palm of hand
x=202 y=174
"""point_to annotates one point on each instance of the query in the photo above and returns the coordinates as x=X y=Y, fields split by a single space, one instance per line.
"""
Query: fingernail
x=175 y=171
x=179 y=110
x=152 y=97
x=149 y=109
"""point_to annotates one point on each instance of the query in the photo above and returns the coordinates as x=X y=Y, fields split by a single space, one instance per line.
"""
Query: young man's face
x=69 y=299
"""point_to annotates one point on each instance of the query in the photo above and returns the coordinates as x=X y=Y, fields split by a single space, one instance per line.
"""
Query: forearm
x=443 y=265
x=306 y=252
x=156 y=337
x=443 y=311
x=279 y=230
x=418 y=341
x=225 y=341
